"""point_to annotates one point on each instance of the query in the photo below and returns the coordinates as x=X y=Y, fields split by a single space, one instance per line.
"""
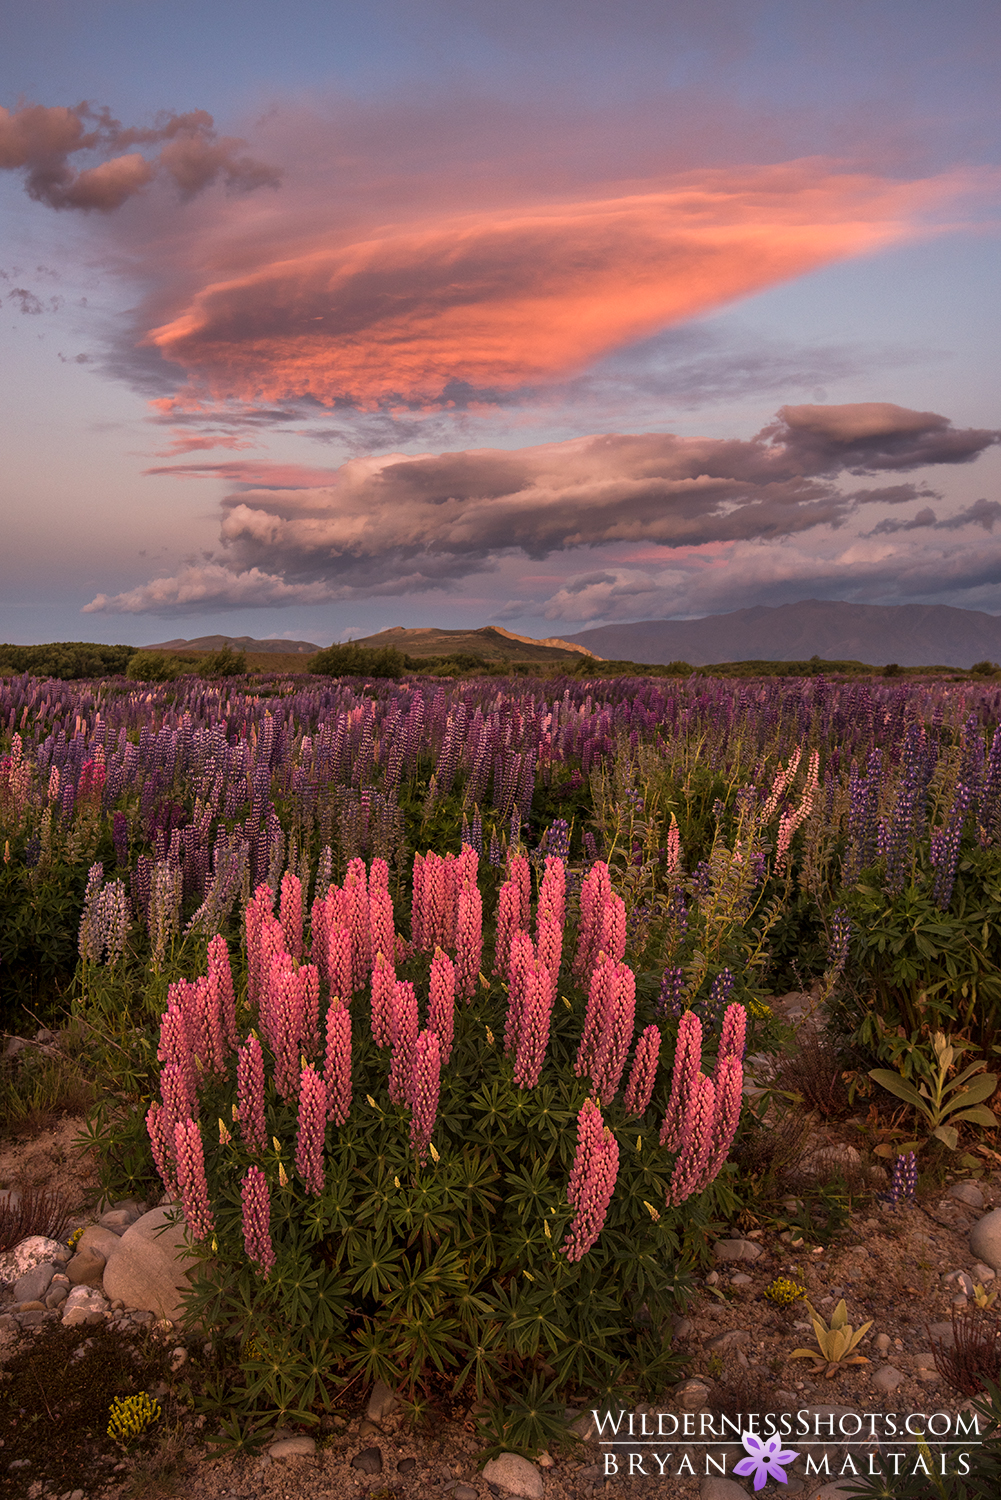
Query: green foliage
x=836 y=1342
x=350 y=660
x=69 y=660
x=131 y=1416
x=153 y=666
x=223 y=663
x=935 y=1096
x=985 y=669
x=39 y=921
x=981 y=1481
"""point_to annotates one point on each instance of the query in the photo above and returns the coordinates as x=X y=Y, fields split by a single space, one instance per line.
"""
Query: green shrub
x=68 y=660
x=350 y=660
x=153 y=666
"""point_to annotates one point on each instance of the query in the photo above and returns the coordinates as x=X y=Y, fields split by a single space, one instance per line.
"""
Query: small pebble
x=369 y=1461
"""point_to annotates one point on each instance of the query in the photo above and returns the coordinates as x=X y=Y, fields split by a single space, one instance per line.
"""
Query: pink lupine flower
x=468 y=941
x=615 y=1033
x=381 y=920
x=598 y=1001
x=533 y=1032
x=552 y=891
x=356 y=892
x=508 y=923
x=284 y=1021
x=639 y=1089
x=383 y=985
x=178 y=1099
x=612 y=928
x=696 y=1141
x=291 y=912
x=403 y=1034
x=337 y=1063
x=728 y=1085
x=418 y=904
x=522 y=957
x=520 y=872
x=672 y=854
x=319 y=934
x=174 y=1044
x=592 y=1181
x=779 y=784
x=309 y=984
x=550 y=943
x=687 y=1057
x=162 y=1145
x=250 y=1094
x=257 y=908
x=340 y=967
x=206 y=996
x=257 y=1220
x=222 y=974
x=425 y=1082
x=378 y=877
x=594 y=892
x=732 y=1033
x=312 y=1127
x=441 y=1005
x=191 y=1179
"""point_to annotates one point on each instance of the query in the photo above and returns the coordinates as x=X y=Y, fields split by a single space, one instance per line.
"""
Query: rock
x=95 y=1237
x=728 y=1340
x=26 y=1255
x=985 y=1239
x=740 y=1280
x=982 y=1273
x=585 y=1427
x=86 y=1268
x=883 y=1344
x=8 y=1326
x=942 y=1334
x=117 y=1220
x=293 y=1447
x=150 y=1265
x=839 y=1489
x=832 y=1159
x=713 y=1487
x=737 y=1250
x=682 y=1328
x=35 y=1305
x=179 y=1358
x=887 y=1378
x=464 y=1492
x=381 y=1402
x=406 y=1466
x=369 y=1461
x=691 y=1394
x=367 y=1428
x=968 y=1193
x=56 y=1295
x=32 y=1319
x=34 y=1283
x=515 y=1475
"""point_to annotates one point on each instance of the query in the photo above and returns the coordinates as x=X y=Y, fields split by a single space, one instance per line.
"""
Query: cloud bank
x=399 y=524
x=40 y=140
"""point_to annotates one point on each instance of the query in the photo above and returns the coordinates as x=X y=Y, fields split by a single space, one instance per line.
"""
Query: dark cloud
x=430 y=520
x=26 y=301
x=40 y=140
x=981 y=513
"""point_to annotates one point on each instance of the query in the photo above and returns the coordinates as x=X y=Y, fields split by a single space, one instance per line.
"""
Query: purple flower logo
x=766 y=1459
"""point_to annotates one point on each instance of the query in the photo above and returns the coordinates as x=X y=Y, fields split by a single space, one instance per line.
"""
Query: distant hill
x=235 y=643
x=490 y=642
x=913 y=635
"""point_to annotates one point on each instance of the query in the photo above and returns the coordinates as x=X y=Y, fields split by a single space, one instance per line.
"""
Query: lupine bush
x=402 y=1168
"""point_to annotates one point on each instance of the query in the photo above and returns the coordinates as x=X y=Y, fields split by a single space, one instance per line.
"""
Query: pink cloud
x=248 y=471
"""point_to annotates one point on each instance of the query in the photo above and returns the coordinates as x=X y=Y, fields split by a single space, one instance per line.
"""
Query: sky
x=323 y=318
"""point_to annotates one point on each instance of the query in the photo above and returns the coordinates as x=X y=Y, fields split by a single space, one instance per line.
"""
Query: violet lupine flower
x=162 y=1145
x=311 y=1129
x=732 y=1033
x=837 y=951
x=468 y=940
x=424 y=1086
x=908 y=809
x=945 y=847
x=114 y=919
x=533 y=1032
x=687 y=1057
x=250 y=1094
x=522 y=957
x=222 y=975
x=558 y=841
x=120 y=839
x=670 y=1001
x=164 y=912
x=696 y=1141
x=719 y=993
x=257 y=1220
x=403 y=1025
x=291 y=913
x=441 y=1005
x=905 y=1178
x=592 y=1181
x=337 y=1063
x=191 y=1179
x=615 y=1033
x=639 y=1089
x=383 y=985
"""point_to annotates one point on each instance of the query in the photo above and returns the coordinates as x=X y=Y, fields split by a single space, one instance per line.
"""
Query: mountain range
x=912 y=635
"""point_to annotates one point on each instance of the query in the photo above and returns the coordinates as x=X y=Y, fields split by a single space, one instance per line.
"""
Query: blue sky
x=341 y=317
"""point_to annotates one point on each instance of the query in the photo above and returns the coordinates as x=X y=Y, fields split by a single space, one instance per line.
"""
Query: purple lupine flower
x=904 y=1180
x=120 y=838
x=695 y=1146
x=337 y=1063
x=639 y=1089
x=257 y=1220
x=719 y=993
x=425 y=1083
x=837 y=952
x=250 y=1094
x=592 y=1181
x=441 y=1004
x=670 y=1001
x=945 y=847
x=191 y=1179
x=311 y=1129
x=687 y=1056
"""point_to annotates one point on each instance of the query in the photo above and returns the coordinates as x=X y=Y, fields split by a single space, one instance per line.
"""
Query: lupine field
x=431 y=1001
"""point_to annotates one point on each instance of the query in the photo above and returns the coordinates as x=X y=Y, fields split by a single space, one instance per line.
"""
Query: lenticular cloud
x=401 y=524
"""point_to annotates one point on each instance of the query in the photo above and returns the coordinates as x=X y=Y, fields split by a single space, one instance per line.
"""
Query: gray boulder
x=151 y=1264
x=737 y=1250
x=985 y=1239
x=34 y=1283
x=26 y=1255
x=515 y=1475
x=96 y=1237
